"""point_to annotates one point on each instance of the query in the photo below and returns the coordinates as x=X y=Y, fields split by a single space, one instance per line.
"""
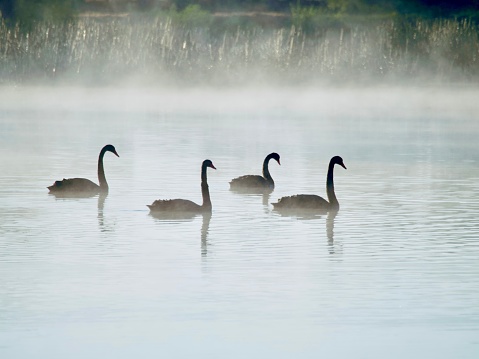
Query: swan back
x=302 y=201
x=78 y=186
x=174 y=205
x=251 y=181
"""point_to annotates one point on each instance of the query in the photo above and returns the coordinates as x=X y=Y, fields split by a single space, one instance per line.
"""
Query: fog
x=156 y=51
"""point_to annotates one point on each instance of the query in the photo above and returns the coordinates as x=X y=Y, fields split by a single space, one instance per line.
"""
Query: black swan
x=83 y=186
x=256 y=182
x=183 y=205
x=311 y=202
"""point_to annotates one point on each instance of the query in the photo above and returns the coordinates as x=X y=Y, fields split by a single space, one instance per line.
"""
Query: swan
x=311 y=202
x=184 y=205
x=264 y=182
x=83 y=186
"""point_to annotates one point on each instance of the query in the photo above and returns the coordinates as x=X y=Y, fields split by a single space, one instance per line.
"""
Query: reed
x=159 y=49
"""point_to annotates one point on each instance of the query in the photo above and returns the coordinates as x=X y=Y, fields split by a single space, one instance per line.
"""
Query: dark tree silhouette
x=7 y=8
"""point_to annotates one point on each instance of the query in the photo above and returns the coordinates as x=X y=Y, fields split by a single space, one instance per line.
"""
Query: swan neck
x=333 y=201
x=205 y=192
x=101 y=172
x=266 y=173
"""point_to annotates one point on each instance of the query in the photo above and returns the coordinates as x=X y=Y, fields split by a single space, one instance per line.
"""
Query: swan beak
x=279 y=163
x=212 y=166
x=343 y=166
x=117 y=155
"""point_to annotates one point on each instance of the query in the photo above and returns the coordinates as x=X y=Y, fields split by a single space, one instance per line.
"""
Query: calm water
x=393 y=275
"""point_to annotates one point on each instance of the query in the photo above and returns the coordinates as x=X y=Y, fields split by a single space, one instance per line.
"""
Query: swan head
x=337 y=160
x=208 y=163
x=112 y=149
x=275 y=156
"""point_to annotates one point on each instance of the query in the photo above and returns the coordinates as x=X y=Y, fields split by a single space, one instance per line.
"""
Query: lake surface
x=395 y=274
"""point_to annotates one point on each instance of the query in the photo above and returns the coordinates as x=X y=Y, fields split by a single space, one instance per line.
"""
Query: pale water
x=394 y=275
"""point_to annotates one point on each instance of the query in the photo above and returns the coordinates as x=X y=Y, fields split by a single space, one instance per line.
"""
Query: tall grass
x=161 y=50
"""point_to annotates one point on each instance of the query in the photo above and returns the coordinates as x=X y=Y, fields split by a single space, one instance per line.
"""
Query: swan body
x=83 y=186
x=305 y=201
x=256 y=182
x=74 y=185
x=175 y=205
x=311 y=202
x=184 y=205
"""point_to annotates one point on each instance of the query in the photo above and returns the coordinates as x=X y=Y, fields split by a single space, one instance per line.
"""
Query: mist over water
x=392 y=275
x=157 y=50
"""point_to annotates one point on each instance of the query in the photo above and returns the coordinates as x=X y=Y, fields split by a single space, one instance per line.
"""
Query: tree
x=7 y=8
x=28 y=11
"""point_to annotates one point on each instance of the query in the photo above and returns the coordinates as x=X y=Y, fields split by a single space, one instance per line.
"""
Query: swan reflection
x=174 y=216
x=330 y=229
x=205 y=226
x=266 y=198
x=101 y=206
x=72 y=195
x=299 y=213
x=264 y=193
x=188 y=217
x=252 y=191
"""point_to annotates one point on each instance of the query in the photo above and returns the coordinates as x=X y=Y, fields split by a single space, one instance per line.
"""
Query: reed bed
x=160 y=50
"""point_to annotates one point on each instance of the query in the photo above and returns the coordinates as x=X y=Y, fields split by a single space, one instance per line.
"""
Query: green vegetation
x=159 y=50
x=27 y=12
x=35 y=10
x=192 y=15
x=184 y=42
